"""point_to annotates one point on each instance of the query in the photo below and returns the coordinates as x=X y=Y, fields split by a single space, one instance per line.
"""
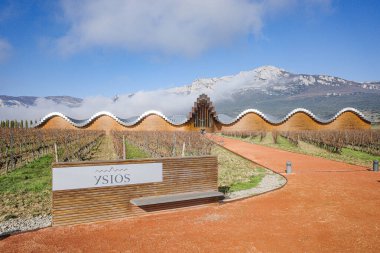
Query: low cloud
x=5 y=50
x=175 y=101
x=125 y=106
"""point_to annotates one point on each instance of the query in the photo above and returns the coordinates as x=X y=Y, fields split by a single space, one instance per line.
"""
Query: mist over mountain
x=269 y=89
x=26 y=101
x=276 y=92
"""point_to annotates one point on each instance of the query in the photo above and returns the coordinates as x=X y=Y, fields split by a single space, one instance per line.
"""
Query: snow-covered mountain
x=274 y=81
x=272 y=90
x=276 y=91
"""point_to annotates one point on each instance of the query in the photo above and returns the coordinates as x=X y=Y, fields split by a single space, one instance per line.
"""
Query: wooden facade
x=203 y=116
x=203 y=113
x=180 y=175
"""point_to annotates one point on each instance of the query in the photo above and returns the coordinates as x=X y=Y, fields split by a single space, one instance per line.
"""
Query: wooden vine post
x=124 y=153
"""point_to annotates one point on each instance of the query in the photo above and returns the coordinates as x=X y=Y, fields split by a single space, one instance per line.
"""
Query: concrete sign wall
x=69 y=178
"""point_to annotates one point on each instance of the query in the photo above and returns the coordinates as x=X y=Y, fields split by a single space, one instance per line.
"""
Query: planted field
x=20 y=146
x=352 y=146
x=26 y=192
x=163 y=144
x=334 y=141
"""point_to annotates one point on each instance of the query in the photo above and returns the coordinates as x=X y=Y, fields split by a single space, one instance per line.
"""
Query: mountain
x=272 y=81
x=269 y=89
x=26 y=101
x=277 y=92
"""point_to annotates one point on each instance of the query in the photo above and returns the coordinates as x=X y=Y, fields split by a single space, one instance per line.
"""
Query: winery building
x=204 y=116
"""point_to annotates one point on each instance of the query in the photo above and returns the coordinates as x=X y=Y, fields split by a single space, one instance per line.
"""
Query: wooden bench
x=170 y=198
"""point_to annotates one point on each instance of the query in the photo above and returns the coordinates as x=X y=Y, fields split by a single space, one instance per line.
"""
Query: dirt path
x=325 y=207
x=105 y=151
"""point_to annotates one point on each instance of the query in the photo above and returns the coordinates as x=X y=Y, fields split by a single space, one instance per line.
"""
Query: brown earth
x=326 y=206
x=105 y=150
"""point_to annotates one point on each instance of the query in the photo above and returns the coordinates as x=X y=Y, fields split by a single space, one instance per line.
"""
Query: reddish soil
x=326 y=206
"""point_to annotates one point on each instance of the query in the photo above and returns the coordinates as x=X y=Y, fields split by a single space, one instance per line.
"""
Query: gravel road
x=24 y=224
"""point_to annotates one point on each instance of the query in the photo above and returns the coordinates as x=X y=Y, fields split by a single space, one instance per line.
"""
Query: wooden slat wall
x=180 y=175
x=249 y=122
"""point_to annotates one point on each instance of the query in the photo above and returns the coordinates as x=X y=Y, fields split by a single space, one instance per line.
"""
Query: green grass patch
x=253 y=182
x=284 y=143
x=32 y=177
x=236 y=173
x=359 y=155
x=26 y=191
x=134 y=152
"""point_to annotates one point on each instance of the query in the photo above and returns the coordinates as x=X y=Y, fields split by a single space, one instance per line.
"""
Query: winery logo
x=112 y=176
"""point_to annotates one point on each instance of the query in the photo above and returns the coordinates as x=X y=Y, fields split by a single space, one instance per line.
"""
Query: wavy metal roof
x=178 y=120
x=275 y=121
x=174 y=120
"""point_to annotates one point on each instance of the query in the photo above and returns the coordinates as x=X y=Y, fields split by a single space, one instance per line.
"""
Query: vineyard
x=163 y=144
x=333 y=141
x=19 y=146
x=366 y=141
x=245 y=134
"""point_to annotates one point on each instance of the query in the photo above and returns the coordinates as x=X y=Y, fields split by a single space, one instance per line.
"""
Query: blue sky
x=103 y=48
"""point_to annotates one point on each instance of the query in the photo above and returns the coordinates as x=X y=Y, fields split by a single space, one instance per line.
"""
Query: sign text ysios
x=106 y=175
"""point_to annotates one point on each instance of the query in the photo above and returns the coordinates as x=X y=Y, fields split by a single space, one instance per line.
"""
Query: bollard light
x=288 y=167
x=376 y=166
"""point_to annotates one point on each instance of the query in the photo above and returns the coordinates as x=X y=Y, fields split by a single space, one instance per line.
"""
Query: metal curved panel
x=84 y=123
x=268 y=118
x=290 y=114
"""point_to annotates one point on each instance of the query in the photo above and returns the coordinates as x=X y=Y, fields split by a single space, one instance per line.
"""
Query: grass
x=236 y=173
x=134 y=152
x=26 y=191
x=359 y=154
x=32 y=177
x=252 y=182
x=347 y=155
x=354 y=157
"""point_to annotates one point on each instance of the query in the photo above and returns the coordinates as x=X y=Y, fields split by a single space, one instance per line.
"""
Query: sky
x=106 y=47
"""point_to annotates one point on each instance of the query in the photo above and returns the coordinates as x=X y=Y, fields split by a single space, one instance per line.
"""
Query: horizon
x=68 y=49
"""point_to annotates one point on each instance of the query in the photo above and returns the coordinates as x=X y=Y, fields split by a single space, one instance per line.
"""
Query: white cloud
x=185 y=27
x=5 y=50
x=124 y=107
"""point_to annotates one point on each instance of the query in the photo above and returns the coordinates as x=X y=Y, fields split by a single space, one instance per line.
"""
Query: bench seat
x=154 y=200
